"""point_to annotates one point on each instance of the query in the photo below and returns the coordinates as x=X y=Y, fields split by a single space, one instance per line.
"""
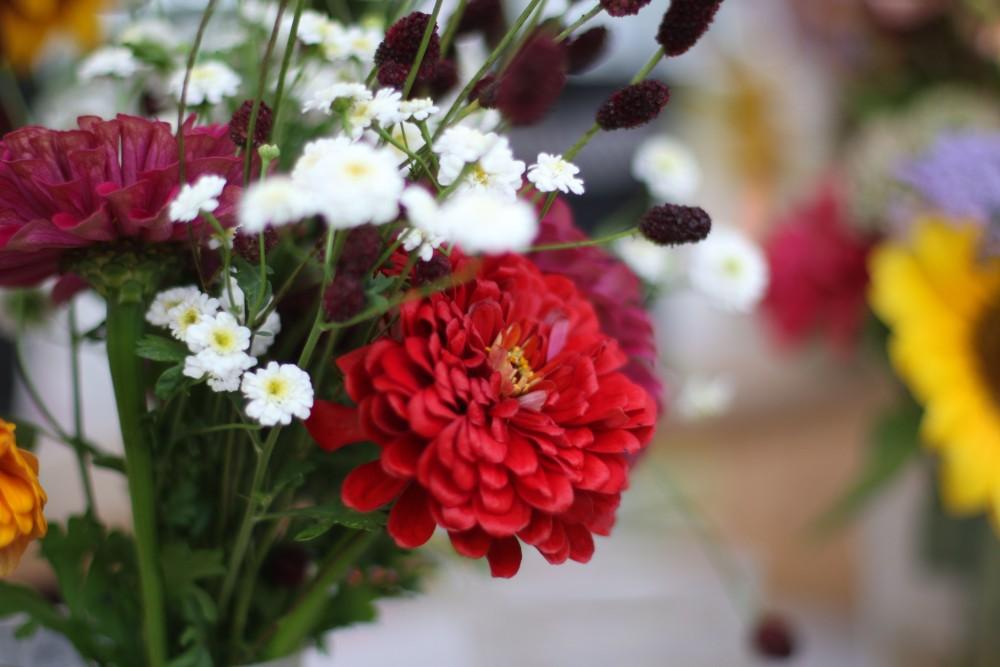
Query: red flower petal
x=333 y=425
x=504 y=557
x=367 y=487
x=410 y=520
x=471 y=543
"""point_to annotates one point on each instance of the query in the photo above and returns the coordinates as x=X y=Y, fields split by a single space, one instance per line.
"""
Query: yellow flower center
x=276 y=388
x=356 y=169
x=188 y=317
x=479 y=175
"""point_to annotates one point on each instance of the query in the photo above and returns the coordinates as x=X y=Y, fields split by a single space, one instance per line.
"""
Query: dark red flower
x=684 y=24
x=344 y=298
x=673 y=224
x=532 y=82
x=444 y=80
x=437 y=268
x=773 y=638
x=247 y=246
x=402 y=43
x=485 y=92
x=501 y=417
x=239 y=124
x=615 y=292
x=485 y=17
x=623 y=7
x=107 y=180
x=393 y=75
x=586 y=49
x=819 y=273
x=633 y=105
x=362 y=247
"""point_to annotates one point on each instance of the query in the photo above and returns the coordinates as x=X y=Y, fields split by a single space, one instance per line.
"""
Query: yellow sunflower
x=942 y=304
x=27 y=25
x=22 y=500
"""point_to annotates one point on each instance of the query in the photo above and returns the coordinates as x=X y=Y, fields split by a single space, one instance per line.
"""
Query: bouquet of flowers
x=332 y=324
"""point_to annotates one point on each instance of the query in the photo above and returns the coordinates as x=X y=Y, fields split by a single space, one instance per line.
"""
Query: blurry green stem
x=182 y=106
x=124 y=327
x=82 y=458
x=603 y=240
x=259 y=97
x=594 y=11
x=411 y=78
x=453 y=22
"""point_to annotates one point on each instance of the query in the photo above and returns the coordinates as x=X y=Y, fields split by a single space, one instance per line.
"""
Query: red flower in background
x=611 y=287
x=107 y=180
x=819 y=273
x=501 y=416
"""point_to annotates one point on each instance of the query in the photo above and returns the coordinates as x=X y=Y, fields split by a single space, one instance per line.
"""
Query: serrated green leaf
x=333 y=514
x=895 y=440
x=160 y=348
x=169 y=382
x=183 y=566
x=256 y=292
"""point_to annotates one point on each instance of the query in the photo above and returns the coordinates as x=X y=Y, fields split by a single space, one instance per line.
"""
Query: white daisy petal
x=730 y=269
x=277 y=393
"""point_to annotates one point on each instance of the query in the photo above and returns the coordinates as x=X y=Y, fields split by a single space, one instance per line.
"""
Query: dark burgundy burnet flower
x=239 y=124
x=247 y=246
x=109 y=180
x=633 y=105
x=437 y=268
x=615 y=292
x=673 y=224
x=361 y=248
x=485 y=92
x=818 y=264
x=684 y=23
x=444 y=80
x=485 y=17
x=500 y=415
x=344 y=298
x=533 y=81
x=583 y=51
x=623 y=7
x=402 y=44
x=393 y=75
x=773 y=638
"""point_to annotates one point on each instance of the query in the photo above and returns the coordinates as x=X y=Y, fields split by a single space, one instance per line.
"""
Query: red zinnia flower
x=819 y=273
x=106 y=181
x=501 y=416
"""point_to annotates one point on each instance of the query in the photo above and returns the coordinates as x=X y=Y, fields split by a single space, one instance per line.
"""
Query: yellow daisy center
x=276 y=388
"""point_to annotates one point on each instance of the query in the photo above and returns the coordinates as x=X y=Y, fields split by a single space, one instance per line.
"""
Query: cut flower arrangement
x=336 y=323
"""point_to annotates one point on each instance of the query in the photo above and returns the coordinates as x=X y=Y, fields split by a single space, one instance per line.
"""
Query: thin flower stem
x=604 y=240
x=227 y=256
x=279 y=94
x=386 y=137
x=452 y=29
x=334 y=246
x=648 y=67
x=124 y=327
x=490 y=61
x=425 y=41
x=259 y=97
x=182 y=105
x=283 y=290
x=594 y=11
x=78 y=437
x=33 y=393
x=529 y=28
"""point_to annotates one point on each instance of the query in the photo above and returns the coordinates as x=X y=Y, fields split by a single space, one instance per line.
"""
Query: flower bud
x=633 y=105
x=623 y=7
x=684 y=24
x=239 y=124
x=672 y=224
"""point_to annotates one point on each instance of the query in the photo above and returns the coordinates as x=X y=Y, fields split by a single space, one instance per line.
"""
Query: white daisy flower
x=487 y=222
x=190 y=312
x=704 y=397
x=273 y=202
x=210 y=83
x=405 y=134
x=221 y=334
x=314 y=28
x=113 y=61
x=425 y=243
x=312 y=154
x=464 y=144
x=382 y=108
x=352 y=184
x=195 y=198
x=353 y=42
x=668 y=168
x=149 y=31
x=277 y=393
x=552 y=173
x=159 y=313
x=323 y=98
x=265 y=334
x=653 y=263
x=418 y=109
x=224 y=372
x=730 y=269
x=493 y=165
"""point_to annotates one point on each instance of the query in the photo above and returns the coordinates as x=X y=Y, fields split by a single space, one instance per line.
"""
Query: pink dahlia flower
x=611 y=287
x=109 y=180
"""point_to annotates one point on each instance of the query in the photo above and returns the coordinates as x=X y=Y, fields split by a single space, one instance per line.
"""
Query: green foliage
x=256 y=288
x=895 y=441
x=170 y=382
x=161 y=348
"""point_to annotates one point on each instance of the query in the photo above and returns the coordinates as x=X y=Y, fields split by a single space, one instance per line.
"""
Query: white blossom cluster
x=223 y=349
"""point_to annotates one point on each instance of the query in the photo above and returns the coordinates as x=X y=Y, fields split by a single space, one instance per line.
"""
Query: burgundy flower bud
x=623 y=7
x=485 y=92
x=239 y=124
x=633 y=105
x=532 y=82
x=672 y=224
x=393 y=75
x=486 y=17
x=286 y=566
x=431 y=271
x=344 y=298
x=402 y=43
x=247 y=246
x=773 y=638
x=684 y=24
x=586 y=49
x=444 y=80
x=362 y=247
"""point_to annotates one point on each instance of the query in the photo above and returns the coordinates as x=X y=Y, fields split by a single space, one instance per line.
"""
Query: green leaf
x=183 y=566
x=333 y=514
x=257 y=292
x=160 y=348
x=27 y=433
x=895 y=440
x=169 y=382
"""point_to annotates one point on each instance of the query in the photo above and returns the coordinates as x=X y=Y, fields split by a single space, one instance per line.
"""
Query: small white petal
x=730 y=269
x=277 y=393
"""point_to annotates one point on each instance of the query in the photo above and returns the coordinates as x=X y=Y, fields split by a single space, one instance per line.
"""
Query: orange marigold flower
x=22 y=500
x=27 y=25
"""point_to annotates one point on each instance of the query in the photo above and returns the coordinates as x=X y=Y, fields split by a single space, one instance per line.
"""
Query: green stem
x=259 y=97
x=295 y=627
x=453 y=22
x=334 y=246
x=648 y=67
x=603 y=240
x=594 y=11
x=279 y=94
x=182 y=105
x=124 y=327
x=411 y=78
x=82 y=458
